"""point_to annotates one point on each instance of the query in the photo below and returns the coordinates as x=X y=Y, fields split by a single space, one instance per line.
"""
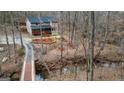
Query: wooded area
x=90 y=46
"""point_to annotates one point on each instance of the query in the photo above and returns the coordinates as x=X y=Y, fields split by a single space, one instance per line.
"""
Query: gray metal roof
x=44 y=19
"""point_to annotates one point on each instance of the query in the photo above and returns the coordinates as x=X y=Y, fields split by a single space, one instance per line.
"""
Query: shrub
x=20 y=52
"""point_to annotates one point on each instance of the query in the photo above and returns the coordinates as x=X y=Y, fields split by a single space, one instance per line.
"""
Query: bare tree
x=73 y=29
x=13 y=35
x=68 y=31
x=91 y=48
x=42 y=47
x=69 y=26
x=6 y=34
x=20 y=34
x=105 y=37
x=61 y=49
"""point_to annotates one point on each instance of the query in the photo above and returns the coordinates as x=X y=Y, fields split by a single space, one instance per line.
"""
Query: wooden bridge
x=28 y=70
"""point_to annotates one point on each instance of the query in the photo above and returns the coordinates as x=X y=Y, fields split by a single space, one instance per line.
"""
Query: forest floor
x=11 y=70
x=100 y=73
x=53 y=52
x=75 y=53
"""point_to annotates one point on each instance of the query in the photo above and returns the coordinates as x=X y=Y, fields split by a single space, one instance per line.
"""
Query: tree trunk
x=75 y=76
x=7 y=41
x=69 y=26
x=73 y=29
x=104 y=40
x=91 y=48
x=42 y=49
x=61 y=49
x=20 y=34
x=13 y=35
x=68 y=32
x=0 y=68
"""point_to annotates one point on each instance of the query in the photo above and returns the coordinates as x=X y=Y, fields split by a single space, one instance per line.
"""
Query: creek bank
x=70 y=64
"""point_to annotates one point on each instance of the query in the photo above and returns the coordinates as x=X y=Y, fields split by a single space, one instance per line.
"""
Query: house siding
x=28 y=25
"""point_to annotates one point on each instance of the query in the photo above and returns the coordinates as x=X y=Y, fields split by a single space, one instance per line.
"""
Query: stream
x=39 y=77
x=71 y=69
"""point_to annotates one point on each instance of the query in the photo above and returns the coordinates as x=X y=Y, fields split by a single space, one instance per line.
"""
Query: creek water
x=71 y=69
x=39 y=77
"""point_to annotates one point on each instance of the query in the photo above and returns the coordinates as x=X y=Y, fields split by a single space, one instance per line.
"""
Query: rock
x=106 y=65
x=4 y=59
x=15 y=77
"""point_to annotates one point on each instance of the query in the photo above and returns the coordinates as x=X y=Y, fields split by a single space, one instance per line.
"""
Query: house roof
x=41 y=27
x=44 y=19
